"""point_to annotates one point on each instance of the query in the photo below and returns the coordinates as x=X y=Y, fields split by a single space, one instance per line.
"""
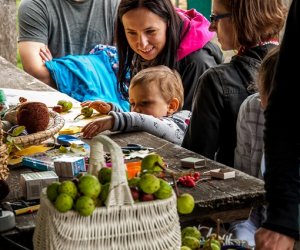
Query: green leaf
x=18 y=147
x=18 y=130
x=63 y=149
x=9 y=139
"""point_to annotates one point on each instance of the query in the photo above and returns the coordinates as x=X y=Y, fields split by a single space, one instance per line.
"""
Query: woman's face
x=145 y=32
x=223 y=27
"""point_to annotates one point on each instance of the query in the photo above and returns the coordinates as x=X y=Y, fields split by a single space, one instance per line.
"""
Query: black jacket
x=218 y=96
x=282 y=136
x=193 y=66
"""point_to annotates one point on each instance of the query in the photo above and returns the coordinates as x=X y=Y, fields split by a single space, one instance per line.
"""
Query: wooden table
x=227 y=200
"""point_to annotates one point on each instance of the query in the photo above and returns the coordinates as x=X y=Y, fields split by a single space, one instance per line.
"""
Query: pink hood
x=195 y=33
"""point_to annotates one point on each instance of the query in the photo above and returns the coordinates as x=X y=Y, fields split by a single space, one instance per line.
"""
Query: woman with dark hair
x=252 y=29
x=153 y=32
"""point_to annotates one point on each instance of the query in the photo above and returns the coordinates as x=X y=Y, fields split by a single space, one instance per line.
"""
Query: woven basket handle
x=119 y=192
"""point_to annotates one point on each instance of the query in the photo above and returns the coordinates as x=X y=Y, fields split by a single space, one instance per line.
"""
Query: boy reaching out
x=156 y=100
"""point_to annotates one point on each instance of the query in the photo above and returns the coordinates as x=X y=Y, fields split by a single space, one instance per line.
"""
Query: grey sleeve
x=166 y=127
x=33 y=21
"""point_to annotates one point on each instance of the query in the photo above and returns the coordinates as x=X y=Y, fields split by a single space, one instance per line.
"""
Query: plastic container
x=133 y=168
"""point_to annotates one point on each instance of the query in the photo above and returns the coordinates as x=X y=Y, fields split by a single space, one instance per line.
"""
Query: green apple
x=85 y=205
x=66 y=105
x=89 y=185
x=191 y=242
x=104 y=175
x=185 y=248
x=164 y=191
x=68 y=187
x=152 y=163
x=149 y=183
x=191 y=231
x=185 y=203
x=52 y=190
x=63 y=203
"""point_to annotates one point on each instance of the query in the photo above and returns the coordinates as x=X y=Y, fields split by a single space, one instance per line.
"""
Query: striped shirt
x=250 y=129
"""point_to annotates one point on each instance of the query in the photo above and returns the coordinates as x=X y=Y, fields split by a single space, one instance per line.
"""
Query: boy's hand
x=98 y=126
x=99 y=106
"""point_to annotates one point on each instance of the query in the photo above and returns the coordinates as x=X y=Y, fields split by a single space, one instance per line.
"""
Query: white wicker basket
x=121 y=225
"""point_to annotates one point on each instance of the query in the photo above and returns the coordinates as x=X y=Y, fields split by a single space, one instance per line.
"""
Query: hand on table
x=98 y=126
x=269 y=240
x=99 y=106
x=45 y=54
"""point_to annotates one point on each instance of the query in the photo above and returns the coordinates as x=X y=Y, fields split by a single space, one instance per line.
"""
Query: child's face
x=147 y=99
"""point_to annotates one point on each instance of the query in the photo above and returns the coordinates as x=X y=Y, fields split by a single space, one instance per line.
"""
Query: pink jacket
x=195 y=33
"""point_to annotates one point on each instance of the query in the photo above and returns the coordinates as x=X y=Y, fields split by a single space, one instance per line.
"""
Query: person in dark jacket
x=154 y=32
x=222 y=89
x=282 y=146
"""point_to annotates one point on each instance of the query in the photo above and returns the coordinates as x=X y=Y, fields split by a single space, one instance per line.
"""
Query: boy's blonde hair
x=168 y=81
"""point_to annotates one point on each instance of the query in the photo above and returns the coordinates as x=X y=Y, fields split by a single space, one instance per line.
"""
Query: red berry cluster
x=189 y=180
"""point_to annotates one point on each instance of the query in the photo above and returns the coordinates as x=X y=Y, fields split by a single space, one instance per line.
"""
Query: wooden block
x=222 y=173
x=191 y=162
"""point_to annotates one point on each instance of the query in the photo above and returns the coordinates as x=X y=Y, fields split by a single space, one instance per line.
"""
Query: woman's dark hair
x=168 y=56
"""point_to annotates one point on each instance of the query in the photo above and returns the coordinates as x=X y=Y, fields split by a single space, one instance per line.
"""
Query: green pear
x=87 y=112
x=152 y=163
x=185 y=203
x=149 y=183
x=191 y=242
x=165 y=190
x=191 y=231
x=212 y=246
x=208 y=244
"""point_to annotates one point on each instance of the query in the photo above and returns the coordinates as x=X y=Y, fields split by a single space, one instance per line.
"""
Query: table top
x=228 y=199
x=12 y=77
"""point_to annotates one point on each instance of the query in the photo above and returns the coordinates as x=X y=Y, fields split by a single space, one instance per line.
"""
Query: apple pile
x=191 y=240
x=154 y=164
x=82 y=194
x=149 y=187
x=146 y=187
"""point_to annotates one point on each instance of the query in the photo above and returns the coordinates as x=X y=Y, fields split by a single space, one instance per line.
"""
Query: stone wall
x=8 y=30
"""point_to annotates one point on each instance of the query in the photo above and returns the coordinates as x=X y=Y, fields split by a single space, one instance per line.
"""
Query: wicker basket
x=4 y=171
x=122 y=224
x=55 y=124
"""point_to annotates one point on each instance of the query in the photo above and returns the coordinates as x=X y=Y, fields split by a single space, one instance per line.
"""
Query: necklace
x=273 y=41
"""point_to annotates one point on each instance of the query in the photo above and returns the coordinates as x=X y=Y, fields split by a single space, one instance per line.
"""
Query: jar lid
x=2 y=96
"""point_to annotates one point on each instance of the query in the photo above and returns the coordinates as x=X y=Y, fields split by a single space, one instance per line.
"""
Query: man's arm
x=33 y=63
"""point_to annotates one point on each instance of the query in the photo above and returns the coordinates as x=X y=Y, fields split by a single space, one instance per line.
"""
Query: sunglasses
x=214 y=18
